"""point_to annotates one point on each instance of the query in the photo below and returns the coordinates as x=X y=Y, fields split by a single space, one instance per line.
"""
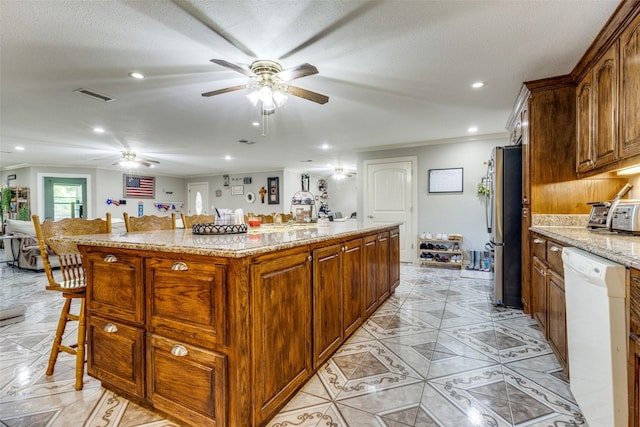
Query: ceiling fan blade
x=293 y=73
x=340 y=23
x=221 y=91
x=234 y=67
x=307 y=94
x=199 y=16
x=143 y=162
x=150 y=161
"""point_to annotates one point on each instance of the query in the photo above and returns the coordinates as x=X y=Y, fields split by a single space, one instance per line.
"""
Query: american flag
x=139 y=186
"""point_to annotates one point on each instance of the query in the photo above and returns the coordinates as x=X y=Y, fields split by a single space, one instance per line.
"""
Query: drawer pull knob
x=180 y=266
x=538 y=241
x=179 y=351
x=555 y=249
x=110 y=328
x=110 y=258
x=310 y=258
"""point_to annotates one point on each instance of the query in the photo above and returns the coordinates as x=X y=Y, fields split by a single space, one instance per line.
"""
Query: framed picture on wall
x=273 y=189
x=139 y=187
x=237 y=190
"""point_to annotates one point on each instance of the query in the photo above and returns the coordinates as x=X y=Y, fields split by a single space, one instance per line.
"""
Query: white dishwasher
x=597 y=336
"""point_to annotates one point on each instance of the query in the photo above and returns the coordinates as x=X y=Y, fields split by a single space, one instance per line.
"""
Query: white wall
x=461 y=213
x=229 y=201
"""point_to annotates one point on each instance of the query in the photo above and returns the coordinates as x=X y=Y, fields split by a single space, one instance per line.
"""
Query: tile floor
x=437 y=353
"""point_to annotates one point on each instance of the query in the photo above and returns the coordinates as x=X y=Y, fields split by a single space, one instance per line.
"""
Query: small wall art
x=237 y=190
x=273 y=185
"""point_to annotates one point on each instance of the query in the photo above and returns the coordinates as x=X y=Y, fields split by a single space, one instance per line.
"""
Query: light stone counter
x=264 y=239
x=621 y=248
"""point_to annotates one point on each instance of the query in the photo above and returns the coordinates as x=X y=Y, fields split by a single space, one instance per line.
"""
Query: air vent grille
x=246 y=141
x=94 y=95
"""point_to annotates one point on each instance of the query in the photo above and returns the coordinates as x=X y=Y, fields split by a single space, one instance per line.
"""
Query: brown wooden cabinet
x=352 y=286
x=633 y=365
x=597 y=114
x=394 y=259
x=227 y=341
x=548 y=296
x=281 y=329
x=327 y=298
x=629 y=124
x=370 y=260
x=383 y=289
x=187 y=381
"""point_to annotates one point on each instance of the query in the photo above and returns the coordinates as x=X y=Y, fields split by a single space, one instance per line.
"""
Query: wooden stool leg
x=62 y=324
x=82 y=337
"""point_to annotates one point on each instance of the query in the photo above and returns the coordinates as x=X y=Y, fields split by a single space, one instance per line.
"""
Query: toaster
x=598 y=215
x=624 y=216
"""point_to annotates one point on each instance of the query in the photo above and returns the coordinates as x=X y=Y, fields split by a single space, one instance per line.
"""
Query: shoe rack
x=440 y=252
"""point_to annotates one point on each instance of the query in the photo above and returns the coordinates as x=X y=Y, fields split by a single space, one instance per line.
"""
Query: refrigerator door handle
x=488 y=194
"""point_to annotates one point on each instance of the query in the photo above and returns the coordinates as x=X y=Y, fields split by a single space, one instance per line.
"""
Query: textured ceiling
x=396 y=72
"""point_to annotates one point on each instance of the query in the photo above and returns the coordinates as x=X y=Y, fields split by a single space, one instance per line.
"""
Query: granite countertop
x=260 y=240
x=621 y=248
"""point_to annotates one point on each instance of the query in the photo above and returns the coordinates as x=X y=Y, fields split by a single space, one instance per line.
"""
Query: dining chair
x=70 y=280
x=189 y=220
x=149 y=222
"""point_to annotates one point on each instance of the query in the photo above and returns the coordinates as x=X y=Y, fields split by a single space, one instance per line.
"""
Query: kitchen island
x=222 y=330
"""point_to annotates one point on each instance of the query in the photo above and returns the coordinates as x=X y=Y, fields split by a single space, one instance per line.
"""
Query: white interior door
x=198 y=198
x=390 y=195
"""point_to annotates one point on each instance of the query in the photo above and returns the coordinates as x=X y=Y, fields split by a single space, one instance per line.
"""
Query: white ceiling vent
x=94 y=95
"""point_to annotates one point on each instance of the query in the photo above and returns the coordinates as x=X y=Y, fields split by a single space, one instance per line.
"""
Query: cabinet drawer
x=187 y=382
x=187 y=300
x=115 y=354
x=539 y=247
x=115 y=288
x=554 y=257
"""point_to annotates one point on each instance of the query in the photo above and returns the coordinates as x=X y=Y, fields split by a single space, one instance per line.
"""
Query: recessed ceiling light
x=136 y=75
x=98 y=129
x=255 y=124
x=227 y=157
x=19 y=148
x=472 y=129
x=325 y=146
x=477 y=85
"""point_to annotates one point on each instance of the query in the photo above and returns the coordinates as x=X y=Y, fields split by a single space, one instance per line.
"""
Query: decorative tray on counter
x=211 y=228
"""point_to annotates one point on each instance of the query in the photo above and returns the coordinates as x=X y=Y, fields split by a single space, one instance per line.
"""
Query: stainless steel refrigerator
x=504 y=223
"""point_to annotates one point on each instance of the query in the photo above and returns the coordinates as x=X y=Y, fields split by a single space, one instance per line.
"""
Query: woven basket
x=211 y=228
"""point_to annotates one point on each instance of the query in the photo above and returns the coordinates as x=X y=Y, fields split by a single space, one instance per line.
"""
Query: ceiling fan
x=129 y=160
x=270 y=86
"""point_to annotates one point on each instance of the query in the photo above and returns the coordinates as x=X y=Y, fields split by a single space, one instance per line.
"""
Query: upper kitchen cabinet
x=596 y=114
x=630 y=93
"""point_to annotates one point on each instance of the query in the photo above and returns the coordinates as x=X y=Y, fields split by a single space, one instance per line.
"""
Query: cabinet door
x=352 y=287
x=556 y=316
x=382 y=273
x=539 y=293
x=115 y=354
x=630 y=90
x=327 y=302
x=370 y=259
x=281 y=293
x=525 y=259
x=526 y=155
x=634 y=380
x=584 y=134
x=394 y=259
x=187 y=382
x=605 y=108
x=116 y=288
x=187 y=299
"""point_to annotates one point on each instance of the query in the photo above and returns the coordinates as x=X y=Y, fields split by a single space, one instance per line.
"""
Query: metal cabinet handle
x=110 y=328
x=309 y=258
x=538 y=241
x=179 y=266
x=179 y=351
x=344 y=248
x=634 y=337
x=110 y=258
x=555 y=249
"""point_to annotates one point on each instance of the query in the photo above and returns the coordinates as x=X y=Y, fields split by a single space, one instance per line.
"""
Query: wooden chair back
x=71 y=268
x=189 y=220
x=149 y=222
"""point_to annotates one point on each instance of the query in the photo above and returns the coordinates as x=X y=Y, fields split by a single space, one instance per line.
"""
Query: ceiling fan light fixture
x=279 y=98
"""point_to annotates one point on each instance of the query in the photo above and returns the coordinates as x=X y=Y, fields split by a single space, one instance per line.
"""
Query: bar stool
x=72 y=282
